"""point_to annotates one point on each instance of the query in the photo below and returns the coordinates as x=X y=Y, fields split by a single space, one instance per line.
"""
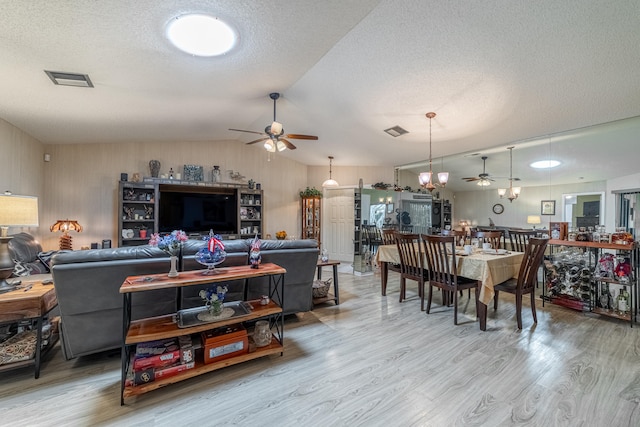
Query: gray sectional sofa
x=87 y=285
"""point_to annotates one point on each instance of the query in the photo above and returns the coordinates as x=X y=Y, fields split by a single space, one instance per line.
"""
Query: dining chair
x=389 y=238
x=527 y=278
x=440 y=253
x=458 y=234
x=520 y=238
x=492 y=237
x=373 y=236
x=411 y=264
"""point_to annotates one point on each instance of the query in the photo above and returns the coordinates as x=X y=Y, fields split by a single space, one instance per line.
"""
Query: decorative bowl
x=205 y=257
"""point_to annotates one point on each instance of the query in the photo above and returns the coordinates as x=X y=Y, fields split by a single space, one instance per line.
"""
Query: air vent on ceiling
x=69 y=79
x=396 y=131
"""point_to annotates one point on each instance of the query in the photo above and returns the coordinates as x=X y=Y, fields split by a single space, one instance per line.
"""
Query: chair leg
x=421 y=292
x=455 y=307
x=429 y=298
x=519 y=310
x=495 y=300
x=403 y=286
x=533 y=306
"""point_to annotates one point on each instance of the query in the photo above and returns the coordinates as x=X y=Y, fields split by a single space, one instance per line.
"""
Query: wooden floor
x=371 y=361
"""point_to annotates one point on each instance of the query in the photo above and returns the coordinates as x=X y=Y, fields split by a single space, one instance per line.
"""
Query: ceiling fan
x=484 y=178
x=274 y=135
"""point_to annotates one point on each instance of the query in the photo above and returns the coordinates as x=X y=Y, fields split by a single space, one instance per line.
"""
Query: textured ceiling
x=495 y=72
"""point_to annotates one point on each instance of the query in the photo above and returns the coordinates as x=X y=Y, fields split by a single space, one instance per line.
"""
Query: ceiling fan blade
x=248 y=131
x=257 y=140
x=297 y=136
x=289 y=145
x=470 y=179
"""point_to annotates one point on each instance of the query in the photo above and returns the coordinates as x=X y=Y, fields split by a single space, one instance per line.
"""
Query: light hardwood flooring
x=371 y=361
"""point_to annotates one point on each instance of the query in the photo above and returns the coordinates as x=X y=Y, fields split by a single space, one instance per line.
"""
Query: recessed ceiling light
x=201 y=35
x=545 y=164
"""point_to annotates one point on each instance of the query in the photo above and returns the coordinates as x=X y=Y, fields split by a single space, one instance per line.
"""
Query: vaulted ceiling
x=495 y=72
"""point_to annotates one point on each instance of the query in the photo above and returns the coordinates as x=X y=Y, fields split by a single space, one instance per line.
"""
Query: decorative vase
x=173 y=271
x=154 y=168
x=215 y=308
x=262 y=333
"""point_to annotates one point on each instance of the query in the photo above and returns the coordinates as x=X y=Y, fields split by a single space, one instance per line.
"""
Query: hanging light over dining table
x=425 y=178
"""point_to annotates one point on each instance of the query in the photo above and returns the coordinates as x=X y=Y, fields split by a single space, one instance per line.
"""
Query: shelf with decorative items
x=311 y=215
x=593 y=276
x=225 y=340
x=137 y=207
x=250 y=212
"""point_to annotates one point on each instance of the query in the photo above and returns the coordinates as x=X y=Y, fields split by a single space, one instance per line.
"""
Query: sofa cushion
x=24 y=247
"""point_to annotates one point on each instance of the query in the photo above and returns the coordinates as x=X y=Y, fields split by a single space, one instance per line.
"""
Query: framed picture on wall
x=548 y=207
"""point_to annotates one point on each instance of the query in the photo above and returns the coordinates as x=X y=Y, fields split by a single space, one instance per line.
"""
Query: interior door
x=337 y=223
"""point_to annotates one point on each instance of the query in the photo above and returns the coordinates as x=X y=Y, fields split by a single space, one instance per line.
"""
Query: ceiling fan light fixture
x=201 y=35
x=281 y=146
x=276 y=128
x=484 y=183
x=330 y=183
x=268 y=145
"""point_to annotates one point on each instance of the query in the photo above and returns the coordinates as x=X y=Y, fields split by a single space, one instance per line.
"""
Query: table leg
x=384 y=274
x=38 y=345
x=482 y=314
x=335 y=284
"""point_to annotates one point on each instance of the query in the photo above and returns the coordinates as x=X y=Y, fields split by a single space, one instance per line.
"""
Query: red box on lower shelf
x=225 y=342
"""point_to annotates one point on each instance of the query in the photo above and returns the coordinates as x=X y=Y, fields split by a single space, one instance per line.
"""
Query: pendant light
x=330 y=183
x=514 y=192
x=425 y=177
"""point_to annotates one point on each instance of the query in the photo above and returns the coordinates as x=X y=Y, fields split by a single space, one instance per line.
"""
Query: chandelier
x=514 y=192
x=425 y=177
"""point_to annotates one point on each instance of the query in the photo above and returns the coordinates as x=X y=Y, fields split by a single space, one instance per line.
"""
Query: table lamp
x=65 y=225
x=533 y=220
x=15 y=211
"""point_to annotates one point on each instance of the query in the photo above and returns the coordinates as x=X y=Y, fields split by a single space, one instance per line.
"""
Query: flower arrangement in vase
x=214 y=298
x=171 y=244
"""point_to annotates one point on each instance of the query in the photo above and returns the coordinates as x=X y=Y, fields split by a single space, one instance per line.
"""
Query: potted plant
x=311 y=192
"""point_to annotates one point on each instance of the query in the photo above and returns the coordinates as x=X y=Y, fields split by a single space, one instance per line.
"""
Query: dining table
x=490 y=266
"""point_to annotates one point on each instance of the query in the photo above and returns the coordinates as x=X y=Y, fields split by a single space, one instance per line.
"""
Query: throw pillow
x=21 y=268
x=45 y=257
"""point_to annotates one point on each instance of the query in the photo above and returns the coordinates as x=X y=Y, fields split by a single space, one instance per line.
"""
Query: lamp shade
x=533 y=219
x=18 y=211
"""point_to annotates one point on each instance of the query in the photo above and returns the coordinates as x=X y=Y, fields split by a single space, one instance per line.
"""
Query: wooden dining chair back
x=440 y=253
x=492 y=237
x=389 y=238
x=373 y=237
x=520 y=238
x=527 y=278
x=411 y=264
x=458 y=234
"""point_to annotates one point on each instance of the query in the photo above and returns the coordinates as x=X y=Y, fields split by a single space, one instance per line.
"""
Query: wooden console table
x=163 y=327
x=31 y=301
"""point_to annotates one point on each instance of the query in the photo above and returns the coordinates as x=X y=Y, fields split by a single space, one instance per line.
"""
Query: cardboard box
x=223 y=343
x=157 y=361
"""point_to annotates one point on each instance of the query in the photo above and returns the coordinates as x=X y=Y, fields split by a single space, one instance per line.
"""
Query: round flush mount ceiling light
x=545 y=164
x=201 y=35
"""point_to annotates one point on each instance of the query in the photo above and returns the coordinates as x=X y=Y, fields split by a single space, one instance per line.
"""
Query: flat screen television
x=198 y=211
